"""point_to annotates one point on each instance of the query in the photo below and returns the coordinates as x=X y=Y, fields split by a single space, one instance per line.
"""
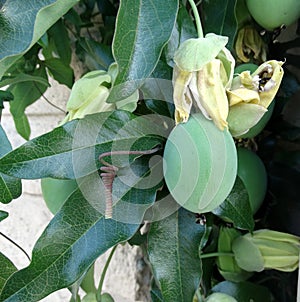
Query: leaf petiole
x=99 y=290
x=197 y=19
x=216 y=254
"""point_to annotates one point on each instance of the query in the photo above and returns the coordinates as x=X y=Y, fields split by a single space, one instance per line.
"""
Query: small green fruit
x=259 y=127
x=200 y=164
x=271 y=14
x=56 y=192
x=252 y=172
x=220 y=297
x=246 y=66
x=106 y=297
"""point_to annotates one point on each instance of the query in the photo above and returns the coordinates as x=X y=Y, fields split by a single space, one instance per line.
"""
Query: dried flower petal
x=209 y=92
x=250 y=44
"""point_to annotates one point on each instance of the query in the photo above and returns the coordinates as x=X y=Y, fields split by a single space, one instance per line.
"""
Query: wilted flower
x=250 y=44
x=89 y=95
x=251 y=94
x=203 y=72
x=267 y=249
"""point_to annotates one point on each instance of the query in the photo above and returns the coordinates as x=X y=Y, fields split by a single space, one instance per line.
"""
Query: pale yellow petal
x=211 y=93
x=182 y=101
x=242 y=95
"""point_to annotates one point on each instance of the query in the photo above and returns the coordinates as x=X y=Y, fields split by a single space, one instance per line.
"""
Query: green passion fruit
x=252 y=172
x=220 y=297
x=56 y=192
x=259 y=127
x=246 y=66
x=271 y=14
x=200 y=164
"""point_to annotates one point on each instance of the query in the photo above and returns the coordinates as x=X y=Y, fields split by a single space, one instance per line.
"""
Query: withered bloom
x=249 y=44
x=203 y=72
x=251 y=94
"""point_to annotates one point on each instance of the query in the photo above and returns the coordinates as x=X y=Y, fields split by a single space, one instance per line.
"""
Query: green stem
x=197 y=18
x=216 y=254
x=99 y=290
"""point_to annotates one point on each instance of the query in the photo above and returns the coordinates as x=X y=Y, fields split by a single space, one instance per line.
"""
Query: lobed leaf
x=79 y=233
x=72 y=150
x=23 y=24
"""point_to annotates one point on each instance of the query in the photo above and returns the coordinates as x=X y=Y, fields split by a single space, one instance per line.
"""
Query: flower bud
x=267 y=249
x=89 y=95
x=227 y=265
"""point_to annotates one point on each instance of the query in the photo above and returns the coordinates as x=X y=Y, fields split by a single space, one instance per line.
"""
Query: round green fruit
x=259 y=127
x=246 y=66
x=56 y=192
x=220 y=297
x=106 y=297
x=271 y=14
x=200 y=164
x=252 y=172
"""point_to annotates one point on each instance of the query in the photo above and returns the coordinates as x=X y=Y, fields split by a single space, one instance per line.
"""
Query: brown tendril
x=109 y=173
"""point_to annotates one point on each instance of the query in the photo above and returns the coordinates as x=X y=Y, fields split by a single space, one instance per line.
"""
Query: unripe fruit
x=246 y=66
x=271 y=14
x=259 y=127
x=106 y=297
x=220 y=297
x=200 y=164
x=56 y=192
x=252 y=172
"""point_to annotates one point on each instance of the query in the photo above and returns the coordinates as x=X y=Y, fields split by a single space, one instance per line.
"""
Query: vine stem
x=298 y=283
x=217 y=254
x=17 y=245
x=197 y=18
x=99 y=290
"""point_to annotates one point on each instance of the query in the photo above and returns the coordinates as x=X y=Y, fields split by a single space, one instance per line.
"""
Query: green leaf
x=22 y=126
x=62 y=73
x=5 y=96
x=72 y=150
x=22 y=77
x=156 y=294
x=7 y=268
x=184 y=29
x=173 y=246
x=17 y=35
x=97 y=55
x=79 y=233
x=10 y=187
x=59 y=34
x=219 y=18
x=140 y=23
x=236 y=207
x=3 y=215
x=26 y=93
x=244 y=291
